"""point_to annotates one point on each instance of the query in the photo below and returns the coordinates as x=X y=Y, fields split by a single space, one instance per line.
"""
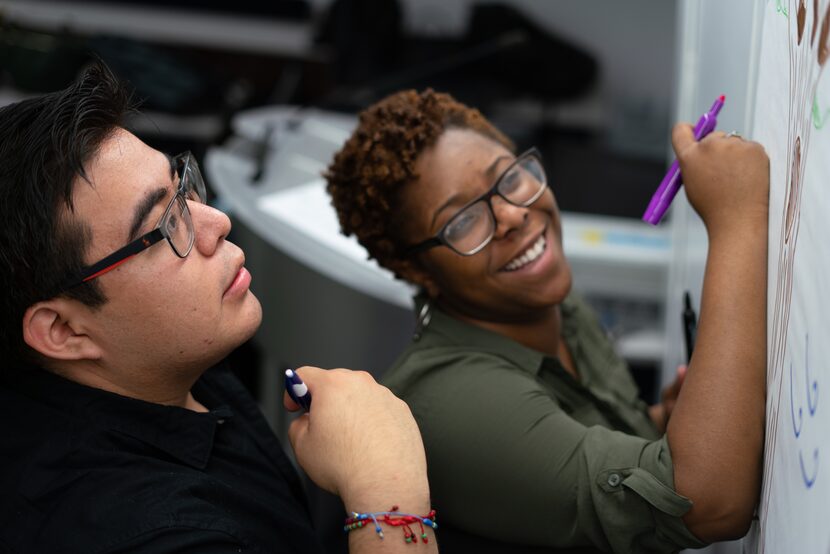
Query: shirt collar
x=445 y=330
x=183 y=434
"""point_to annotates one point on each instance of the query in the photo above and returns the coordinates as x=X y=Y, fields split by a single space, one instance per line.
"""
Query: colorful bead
x=395 y=519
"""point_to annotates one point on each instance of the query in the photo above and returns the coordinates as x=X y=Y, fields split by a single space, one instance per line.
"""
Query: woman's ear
x=54 y=328
x=417 y=275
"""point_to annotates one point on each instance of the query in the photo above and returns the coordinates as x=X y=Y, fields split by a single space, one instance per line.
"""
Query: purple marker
x=297 y=390
x=671 y=183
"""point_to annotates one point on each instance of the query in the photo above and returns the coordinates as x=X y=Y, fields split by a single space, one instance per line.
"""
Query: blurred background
x=589 y=83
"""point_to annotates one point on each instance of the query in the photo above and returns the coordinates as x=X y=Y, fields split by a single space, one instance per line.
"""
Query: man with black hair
x=122 y=431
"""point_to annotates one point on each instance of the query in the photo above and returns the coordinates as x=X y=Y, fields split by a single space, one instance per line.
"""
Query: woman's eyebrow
x=489 y=171
x=450 y=201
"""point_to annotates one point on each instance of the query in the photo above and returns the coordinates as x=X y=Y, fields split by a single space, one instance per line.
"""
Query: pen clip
x=297 y=390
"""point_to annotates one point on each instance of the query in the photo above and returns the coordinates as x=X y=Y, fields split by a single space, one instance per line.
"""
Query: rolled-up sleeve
x=507 y=462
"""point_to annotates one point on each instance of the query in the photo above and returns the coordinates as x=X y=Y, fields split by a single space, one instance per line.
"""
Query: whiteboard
x=792 y=108
x=784 y=105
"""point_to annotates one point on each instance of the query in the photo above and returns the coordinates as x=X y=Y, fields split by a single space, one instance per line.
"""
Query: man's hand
x=360 y=441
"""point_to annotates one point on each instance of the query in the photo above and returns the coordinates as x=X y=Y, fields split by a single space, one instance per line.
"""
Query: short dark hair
x=45 y=143
x=378 y=160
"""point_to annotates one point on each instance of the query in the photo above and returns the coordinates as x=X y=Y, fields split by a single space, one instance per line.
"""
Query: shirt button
x=614 y=479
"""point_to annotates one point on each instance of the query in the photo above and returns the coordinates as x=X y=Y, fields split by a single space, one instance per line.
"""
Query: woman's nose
x=509 y=217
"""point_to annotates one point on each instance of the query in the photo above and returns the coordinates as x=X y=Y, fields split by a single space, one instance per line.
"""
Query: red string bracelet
x=393 y=518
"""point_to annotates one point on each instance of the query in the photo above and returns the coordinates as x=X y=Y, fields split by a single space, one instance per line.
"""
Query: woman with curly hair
x=534 y=432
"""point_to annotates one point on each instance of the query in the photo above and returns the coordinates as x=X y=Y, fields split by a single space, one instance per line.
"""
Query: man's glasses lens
x=178 y=227
x=473 y=227
x=176 y=224
x=192 y=182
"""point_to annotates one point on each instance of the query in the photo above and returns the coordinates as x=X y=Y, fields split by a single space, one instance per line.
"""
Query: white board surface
x=792 y=108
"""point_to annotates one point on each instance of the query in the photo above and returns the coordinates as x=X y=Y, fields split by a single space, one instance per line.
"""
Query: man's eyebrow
x=143 y=209
x=172 y=161
x=151 y=198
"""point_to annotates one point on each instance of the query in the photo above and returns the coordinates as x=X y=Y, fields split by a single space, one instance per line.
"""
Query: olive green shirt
x=520 y=451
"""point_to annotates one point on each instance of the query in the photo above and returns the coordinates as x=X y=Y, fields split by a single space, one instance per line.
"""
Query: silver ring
x=733 y=134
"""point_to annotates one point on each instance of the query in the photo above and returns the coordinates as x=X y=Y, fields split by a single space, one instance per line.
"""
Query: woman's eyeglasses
x=473 y=226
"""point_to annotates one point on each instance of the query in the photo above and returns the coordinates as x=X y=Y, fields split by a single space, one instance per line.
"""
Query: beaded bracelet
x=395 y=519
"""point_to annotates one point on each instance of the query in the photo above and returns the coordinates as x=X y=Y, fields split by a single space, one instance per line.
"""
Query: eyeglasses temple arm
x=421 y=246
x=113 y=260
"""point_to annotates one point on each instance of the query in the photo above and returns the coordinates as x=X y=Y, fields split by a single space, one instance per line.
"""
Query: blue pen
x=670 y=184
x=297 y=390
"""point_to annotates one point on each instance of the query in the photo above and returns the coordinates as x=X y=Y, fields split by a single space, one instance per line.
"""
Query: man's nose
x=210 y=226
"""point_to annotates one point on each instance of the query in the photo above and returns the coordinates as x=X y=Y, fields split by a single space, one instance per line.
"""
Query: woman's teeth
x=527 y=256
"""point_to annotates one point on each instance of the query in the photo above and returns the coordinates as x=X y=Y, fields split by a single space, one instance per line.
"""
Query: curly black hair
x=378 y=160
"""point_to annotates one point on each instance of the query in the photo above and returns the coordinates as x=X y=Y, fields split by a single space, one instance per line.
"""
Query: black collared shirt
x=83 y=470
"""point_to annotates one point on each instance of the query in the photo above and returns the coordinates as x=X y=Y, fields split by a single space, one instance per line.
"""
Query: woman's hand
x=716 y=432
x=660 y=413
x=726 y=178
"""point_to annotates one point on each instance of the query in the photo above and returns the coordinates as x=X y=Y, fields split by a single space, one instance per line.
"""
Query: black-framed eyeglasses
x=473 y=226
x=175 y=225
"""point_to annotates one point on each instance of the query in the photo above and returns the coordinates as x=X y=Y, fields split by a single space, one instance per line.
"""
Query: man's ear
x=417 y=275
x=54 y=328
